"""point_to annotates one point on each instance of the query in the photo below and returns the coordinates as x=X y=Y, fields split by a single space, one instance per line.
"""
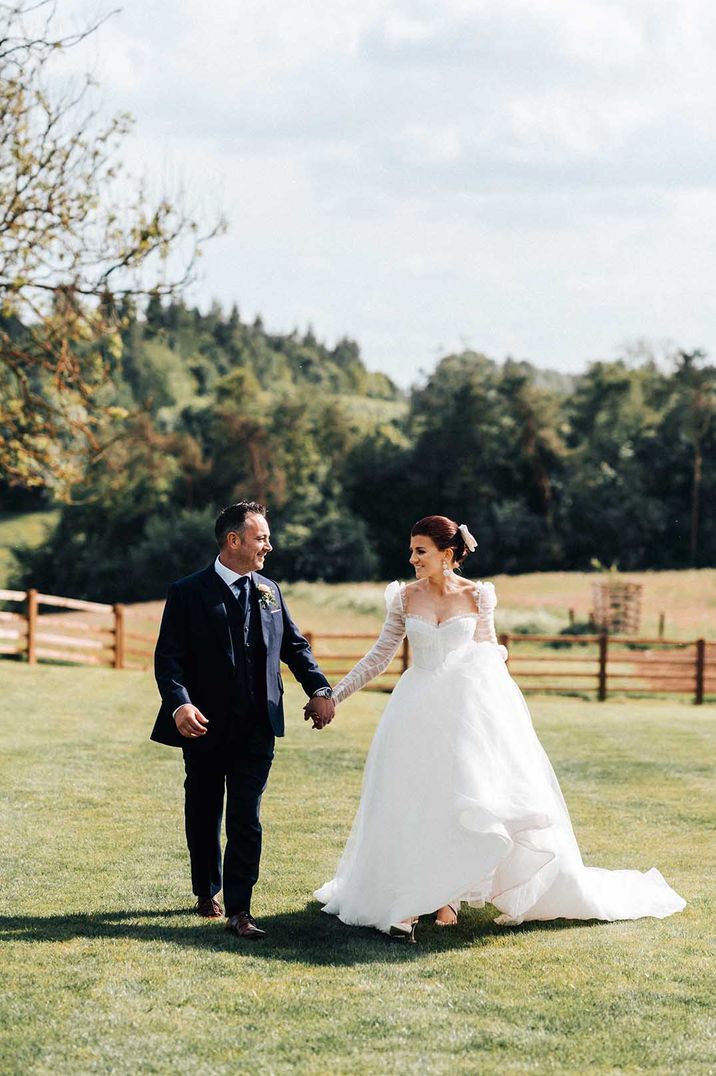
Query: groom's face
x=247 y=551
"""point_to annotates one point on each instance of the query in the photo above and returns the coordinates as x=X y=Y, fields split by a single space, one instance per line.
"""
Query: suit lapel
x=215 y=600
x=265 y=613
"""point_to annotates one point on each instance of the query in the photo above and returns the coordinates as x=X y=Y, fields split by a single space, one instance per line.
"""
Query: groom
x=224 y=633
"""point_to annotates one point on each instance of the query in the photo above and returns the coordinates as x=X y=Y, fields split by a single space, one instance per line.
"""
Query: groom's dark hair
x=233 y=518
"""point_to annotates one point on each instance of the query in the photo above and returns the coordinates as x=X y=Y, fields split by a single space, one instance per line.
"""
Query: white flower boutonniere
x=267 y=598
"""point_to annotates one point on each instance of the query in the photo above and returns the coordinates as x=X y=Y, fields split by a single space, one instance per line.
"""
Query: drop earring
x=446 y=568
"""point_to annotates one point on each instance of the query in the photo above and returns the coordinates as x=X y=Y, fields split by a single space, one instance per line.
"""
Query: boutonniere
x=267 y=598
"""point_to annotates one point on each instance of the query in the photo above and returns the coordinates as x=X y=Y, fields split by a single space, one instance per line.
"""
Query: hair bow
x=470 y=543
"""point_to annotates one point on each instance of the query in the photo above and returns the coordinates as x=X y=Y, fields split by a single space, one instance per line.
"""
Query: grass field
x=105 y=970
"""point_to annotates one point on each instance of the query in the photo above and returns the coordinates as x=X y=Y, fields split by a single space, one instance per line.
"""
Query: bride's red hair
x=444 y=532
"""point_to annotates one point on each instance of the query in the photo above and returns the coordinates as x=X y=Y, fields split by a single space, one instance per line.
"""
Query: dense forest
x=548 y=470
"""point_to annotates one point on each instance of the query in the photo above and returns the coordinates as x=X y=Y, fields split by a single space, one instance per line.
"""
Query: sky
x=533 y=178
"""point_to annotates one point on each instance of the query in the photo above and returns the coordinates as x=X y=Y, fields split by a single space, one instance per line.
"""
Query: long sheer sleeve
x=380 y=655
x=486 y=600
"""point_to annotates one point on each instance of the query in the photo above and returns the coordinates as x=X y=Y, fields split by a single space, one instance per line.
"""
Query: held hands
x=190 y=721
x=319 y=710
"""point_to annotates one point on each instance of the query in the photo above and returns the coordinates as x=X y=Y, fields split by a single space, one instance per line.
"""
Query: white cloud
x=536 y=176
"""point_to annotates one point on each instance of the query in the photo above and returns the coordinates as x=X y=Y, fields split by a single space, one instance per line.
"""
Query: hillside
x=550 y=472
x=175 y=356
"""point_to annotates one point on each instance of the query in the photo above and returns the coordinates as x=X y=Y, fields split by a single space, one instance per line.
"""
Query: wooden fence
x=75 y=631
x=586 y=664
x=91 y=633
x=624 y=665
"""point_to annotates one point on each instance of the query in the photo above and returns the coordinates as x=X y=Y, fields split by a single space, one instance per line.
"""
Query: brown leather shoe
x=209 y=907
x=243 y=925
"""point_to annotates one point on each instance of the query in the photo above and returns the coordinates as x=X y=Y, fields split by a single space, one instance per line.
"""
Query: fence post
x=308 y=636
x=700 y=667
x=118 y=635
x=662 y=624
x=405 y=657
x=571 y=618
x=603 y=646
x=504 y=640
x=31 y=627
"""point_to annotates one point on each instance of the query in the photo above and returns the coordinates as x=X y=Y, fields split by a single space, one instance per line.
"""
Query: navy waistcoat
x=249 y=651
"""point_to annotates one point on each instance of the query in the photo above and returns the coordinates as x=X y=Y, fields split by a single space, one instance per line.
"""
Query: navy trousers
x=237 y=771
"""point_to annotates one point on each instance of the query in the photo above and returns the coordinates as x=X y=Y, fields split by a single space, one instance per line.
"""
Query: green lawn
x=105 y=970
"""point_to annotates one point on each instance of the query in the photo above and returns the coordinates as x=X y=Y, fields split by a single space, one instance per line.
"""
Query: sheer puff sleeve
x=486 y=600
x=383 y=650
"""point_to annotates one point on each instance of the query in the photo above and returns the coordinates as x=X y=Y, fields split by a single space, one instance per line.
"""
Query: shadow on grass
x=305 y=936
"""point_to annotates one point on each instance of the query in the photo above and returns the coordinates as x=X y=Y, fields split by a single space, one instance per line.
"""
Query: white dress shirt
x=228 y=574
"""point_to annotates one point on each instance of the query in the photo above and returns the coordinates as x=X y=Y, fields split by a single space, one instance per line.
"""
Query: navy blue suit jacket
x=194 y=659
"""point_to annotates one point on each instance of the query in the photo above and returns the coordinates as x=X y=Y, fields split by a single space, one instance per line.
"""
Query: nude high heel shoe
x=455 y=908
x=405 y=930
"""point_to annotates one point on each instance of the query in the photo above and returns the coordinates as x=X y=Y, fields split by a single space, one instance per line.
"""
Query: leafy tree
x=682 y=464
x=610 y=509
x=537 y=417
x=642 y=460
x=696 y=385
x=379 y=489
x=485 y=452
x=333 y=546
x=70 y=245
x=141 y=477
x=238 y=443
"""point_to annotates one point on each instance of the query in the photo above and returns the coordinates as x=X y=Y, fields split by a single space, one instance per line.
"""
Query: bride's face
x=426 y=558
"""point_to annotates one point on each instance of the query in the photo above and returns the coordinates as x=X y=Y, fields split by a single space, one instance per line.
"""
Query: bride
x=459 y=800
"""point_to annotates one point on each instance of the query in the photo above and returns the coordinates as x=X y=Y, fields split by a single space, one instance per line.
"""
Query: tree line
x=549 y=471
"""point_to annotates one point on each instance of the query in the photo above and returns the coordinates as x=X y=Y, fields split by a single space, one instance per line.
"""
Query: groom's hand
x=319 y=710
x=190 y=721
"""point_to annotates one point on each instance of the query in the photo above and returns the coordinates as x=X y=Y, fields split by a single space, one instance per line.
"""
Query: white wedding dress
x=459 y=800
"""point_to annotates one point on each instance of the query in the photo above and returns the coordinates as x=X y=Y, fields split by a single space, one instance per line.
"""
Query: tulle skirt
x=460 y=803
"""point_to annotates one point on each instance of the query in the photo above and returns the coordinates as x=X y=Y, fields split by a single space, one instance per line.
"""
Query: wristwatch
x=323 y=693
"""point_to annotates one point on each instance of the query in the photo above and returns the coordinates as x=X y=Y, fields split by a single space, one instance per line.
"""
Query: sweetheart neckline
x=441 y=623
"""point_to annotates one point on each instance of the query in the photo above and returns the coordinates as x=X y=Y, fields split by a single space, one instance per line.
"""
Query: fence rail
x=94 y=633
x=94 y=639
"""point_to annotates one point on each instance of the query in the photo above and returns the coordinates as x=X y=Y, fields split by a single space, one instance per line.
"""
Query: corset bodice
x=433 y=643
